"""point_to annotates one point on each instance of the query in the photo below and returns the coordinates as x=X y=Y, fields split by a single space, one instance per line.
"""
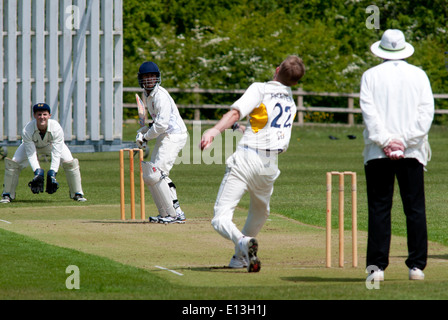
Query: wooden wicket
x=132 y=185
x=341 y=218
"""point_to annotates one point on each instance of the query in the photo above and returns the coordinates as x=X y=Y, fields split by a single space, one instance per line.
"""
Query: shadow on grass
x=290 y=279
x=38 y=201
x=215 y=269
x=320 y=279
x=312 y=279
x=431 y=256
x=119 y=221
x=438 y=256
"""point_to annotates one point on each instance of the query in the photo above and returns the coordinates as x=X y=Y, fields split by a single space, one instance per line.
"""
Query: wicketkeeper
x=42 y=136
x=170 y=133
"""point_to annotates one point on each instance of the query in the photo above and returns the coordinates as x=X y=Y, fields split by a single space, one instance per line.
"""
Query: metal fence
x=350 y=110
x=67 y=53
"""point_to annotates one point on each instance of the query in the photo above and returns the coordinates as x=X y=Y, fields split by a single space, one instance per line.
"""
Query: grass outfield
x=41 y=235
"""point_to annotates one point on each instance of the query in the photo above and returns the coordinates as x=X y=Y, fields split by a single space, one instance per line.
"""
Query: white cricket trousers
x=246 y=171
x=21 y=157
x=166 y=150
x=164 y=156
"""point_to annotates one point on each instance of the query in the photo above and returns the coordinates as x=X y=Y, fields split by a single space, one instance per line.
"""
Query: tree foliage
x=230 y=44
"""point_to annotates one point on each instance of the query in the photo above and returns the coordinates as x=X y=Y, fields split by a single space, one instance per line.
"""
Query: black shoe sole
x=254 y=262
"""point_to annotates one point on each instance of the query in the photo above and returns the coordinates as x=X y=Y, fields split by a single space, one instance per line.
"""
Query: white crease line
x=175 y=272
x=5 y=221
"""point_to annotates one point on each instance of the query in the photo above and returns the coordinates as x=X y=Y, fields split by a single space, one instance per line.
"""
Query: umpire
x=398 y=108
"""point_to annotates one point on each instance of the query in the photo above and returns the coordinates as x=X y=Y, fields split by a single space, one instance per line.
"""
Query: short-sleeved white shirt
x=271 y=110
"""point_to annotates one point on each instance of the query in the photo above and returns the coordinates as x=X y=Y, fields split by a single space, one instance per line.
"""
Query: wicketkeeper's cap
x=41 y=107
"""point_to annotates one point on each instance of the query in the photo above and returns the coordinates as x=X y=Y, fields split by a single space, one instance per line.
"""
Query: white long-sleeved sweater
x=397 y=103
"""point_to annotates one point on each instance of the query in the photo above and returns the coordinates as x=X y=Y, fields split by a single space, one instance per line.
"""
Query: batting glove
x=140 y=140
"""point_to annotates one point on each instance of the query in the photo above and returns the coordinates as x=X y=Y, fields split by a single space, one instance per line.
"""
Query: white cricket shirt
x=32 y=140
x=164 y=112
x=397 y=103
x=271 y=110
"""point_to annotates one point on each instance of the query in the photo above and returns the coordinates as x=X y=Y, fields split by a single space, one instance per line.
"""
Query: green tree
x=230 y=44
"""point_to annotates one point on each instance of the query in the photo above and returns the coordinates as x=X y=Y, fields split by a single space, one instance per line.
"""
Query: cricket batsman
x=170 y=133
x=42 y=136
x=253 y=166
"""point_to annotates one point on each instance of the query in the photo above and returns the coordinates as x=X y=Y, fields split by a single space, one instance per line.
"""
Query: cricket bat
x=141 y=111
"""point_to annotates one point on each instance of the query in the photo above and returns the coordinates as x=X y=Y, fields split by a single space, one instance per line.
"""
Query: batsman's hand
x=52 y=184
x=37 y=184
x=140 y=140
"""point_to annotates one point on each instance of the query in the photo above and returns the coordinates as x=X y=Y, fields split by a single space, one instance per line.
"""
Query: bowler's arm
x=226 y=122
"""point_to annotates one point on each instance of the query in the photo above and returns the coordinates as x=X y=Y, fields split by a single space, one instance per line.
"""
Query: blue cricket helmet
x=148 y=67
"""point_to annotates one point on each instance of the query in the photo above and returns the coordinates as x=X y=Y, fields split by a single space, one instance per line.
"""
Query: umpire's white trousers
x=246 y=171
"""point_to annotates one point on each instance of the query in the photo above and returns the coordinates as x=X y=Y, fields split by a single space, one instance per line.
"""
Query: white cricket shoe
x=237 y=262
x=377 y=275
x=416 y=274
x=79 y=198
x=6 y=198
x=249 y=249
x=170 y=219
x=180 y=216
x=154 y=219
x=167 y=219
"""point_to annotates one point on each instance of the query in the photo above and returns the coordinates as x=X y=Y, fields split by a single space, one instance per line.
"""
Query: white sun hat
x=392 y=46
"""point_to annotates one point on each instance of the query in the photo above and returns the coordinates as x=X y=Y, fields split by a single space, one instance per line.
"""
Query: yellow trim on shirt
x=258 y=118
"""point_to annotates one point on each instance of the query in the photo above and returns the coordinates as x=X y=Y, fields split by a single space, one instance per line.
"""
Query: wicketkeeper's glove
x=52 y=184
x=37 y=184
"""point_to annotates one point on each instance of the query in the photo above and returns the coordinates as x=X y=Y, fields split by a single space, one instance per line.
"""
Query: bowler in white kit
x=253 y=166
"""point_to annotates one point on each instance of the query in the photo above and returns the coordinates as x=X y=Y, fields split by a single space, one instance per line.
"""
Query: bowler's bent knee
x=224 y=225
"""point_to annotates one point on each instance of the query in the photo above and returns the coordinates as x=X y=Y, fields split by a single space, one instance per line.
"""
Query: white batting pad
x=73 y=175
x=12 y=171
x=158 y=186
